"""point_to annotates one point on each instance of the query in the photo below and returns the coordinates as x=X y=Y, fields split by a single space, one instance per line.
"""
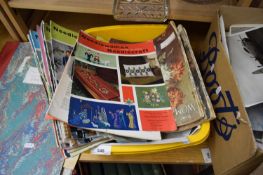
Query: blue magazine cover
x=99 y=114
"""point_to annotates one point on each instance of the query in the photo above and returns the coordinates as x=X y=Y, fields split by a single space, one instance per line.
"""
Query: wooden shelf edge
x=179 y=10
x=191 y=155
x=78 y=6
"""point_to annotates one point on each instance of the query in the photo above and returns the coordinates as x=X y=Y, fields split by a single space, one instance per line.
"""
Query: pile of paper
x=116 y=91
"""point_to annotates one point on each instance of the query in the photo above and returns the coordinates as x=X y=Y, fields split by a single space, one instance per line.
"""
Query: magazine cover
x=45 y=28
x=61 y=101
x=246 y=55
x=130 y=96
x=35 y=45
x=45 y=60
x=202 y=97
x=198 y=80
x=104 y=95
x=178 y=78
x=63 y=42
x=125 y=87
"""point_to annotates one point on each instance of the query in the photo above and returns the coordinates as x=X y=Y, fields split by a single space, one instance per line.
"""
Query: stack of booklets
x=116 y=91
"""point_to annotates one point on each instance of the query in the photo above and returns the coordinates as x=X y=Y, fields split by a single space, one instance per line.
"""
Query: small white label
x=206 y=155
x=29 y=145
x=238 y=114
x=218 y=90
x=32 y=76
x=167 y=41
x=66 y=171
x=102 y=150
x=212 y=67
x=21 y=68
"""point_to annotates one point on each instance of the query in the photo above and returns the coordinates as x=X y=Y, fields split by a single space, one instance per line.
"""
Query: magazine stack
x=107 y=91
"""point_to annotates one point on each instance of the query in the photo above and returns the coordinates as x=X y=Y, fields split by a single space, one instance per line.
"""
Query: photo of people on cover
x=61 y=53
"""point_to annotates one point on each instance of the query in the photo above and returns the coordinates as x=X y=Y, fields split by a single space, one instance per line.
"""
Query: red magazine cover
x=6 y=55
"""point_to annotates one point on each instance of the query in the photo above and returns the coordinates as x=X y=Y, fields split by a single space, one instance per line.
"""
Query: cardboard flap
x=241 y=15
x=231 y=141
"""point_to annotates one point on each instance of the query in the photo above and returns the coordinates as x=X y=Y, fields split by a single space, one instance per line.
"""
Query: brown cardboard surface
x=248 y=166
x=231 y=141
x=241 y=15
x=258 y=170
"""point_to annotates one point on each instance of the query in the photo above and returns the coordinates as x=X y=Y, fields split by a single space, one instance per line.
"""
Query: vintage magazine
x=198 y=80
x=66 y=82
x=202 y=96
x=127 y=110
x=46 y=62
x=63 y=41
x=178 y=78
x=121 y=110
x=34 y=41
x=45 y=28
x=121 y=88
x=137 y=80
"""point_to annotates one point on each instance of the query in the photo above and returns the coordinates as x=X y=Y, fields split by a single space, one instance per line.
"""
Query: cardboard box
x=232 y=144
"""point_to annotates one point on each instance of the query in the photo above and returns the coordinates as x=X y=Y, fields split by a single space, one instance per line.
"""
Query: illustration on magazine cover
x=128 y=96
x=152 y=97
x=94 y=57
x=95 y=82
x=140 y=70
x=96 y=114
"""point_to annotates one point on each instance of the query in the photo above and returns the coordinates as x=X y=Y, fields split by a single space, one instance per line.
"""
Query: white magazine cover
x=241 y=28
x=246 y=57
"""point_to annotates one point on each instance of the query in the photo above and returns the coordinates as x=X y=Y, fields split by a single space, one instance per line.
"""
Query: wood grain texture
x=191 y=155
x=9 y=27
x=4 y=36
x=179 y=9
x=244 y=3
x=183 y=10
x=17 y=21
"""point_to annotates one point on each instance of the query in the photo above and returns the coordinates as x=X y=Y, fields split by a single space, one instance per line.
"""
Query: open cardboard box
x=232 y=144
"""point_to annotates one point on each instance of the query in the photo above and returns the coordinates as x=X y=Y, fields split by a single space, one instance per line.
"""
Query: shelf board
x=4 y=35
x=179 y=9
x=191 y=155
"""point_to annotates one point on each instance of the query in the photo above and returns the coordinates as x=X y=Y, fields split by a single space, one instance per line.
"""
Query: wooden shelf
x=179 y=9
x=4 y=35
x=191 y=155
